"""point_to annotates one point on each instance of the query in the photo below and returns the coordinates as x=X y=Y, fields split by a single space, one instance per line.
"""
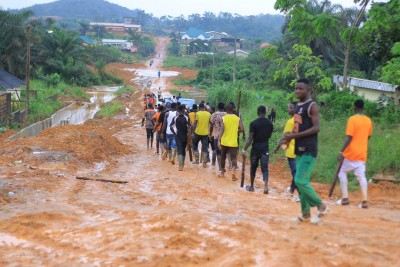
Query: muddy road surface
x=162 y=217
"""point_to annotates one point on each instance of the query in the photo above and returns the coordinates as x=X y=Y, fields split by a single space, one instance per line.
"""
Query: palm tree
x=62 y=52
x=13 y=41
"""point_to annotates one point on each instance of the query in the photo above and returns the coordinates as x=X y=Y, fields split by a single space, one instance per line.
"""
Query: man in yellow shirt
x=289 y=153
x=192 y=114
x=228 y=141
x=201 y=126
x=354 y=153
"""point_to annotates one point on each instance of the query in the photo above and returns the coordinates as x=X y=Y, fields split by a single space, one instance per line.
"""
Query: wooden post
x=238 y=101
x=234 y=61
x=28 y=62
x=396 y=98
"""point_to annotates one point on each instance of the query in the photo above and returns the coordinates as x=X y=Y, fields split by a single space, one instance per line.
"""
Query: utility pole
x=28 y=63
x=213 y=68
x=234 y=61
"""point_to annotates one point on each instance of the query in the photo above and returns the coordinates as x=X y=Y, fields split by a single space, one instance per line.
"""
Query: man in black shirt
x=306 y=128
x=182 y=124
x=259 y=135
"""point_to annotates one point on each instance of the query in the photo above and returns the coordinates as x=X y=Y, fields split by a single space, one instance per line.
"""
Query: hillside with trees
x=264 y=26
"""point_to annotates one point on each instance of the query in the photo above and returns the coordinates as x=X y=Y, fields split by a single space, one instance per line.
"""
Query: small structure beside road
x=371 y=90
x=10 y=87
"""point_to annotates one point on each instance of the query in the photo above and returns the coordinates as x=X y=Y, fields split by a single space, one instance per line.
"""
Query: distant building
x=195 y=34
x=117 y=28
x=9 y=82
x=86 y=41
x=371 y=90
x=122 y=44
x=134 y=49
x=239 y=53
x=264 y=45
x=10 y=87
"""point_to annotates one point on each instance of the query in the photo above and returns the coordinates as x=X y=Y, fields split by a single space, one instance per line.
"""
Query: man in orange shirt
x=354 y=153
x=158 y=125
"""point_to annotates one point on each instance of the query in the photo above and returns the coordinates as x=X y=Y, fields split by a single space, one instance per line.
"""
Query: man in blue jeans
x=289 y=148
x=259 y=134
x=171 y=143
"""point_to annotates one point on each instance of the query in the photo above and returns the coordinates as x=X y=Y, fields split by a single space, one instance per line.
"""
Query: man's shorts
x=158 y=137
x=171 y=144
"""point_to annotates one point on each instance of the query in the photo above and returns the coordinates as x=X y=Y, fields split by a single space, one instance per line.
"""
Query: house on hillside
x=371 y=90
x=86 y=41
x=10 y=87
x=239 y=53
x=121 y=44
x=264 y=45
x=9 y=82
x=117 y=28
x=194 y=34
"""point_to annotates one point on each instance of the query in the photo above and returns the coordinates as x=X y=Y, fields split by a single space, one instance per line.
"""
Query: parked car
x=184 y=101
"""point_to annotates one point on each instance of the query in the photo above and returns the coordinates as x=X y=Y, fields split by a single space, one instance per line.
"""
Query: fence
x=5 y=108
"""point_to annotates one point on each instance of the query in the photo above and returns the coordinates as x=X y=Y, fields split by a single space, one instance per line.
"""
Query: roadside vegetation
x=109 y=109
x=314 y=44
x=47 y=99
x=181 y=62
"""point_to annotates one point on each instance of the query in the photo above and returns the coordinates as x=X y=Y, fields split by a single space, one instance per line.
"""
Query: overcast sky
x=183 y=7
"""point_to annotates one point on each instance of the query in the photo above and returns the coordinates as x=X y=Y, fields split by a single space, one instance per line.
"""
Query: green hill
x=95 y=10
x=265 y=27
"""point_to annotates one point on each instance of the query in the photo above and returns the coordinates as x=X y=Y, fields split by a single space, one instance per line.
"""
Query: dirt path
x=163 y=217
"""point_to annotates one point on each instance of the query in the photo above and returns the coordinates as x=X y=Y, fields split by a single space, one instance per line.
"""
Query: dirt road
x=163 y=217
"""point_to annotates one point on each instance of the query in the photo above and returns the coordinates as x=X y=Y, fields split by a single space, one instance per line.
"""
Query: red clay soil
x=163 y=217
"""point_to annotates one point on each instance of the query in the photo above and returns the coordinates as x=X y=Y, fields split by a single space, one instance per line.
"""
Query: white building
x=122 y=44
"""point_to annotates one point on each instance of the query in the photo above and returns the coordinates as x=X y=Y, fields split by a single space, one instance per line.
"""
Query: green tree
x=13 y=41
x=339 y=28
x=299 y=63
x=391 y=71
x=62 y=52
x=146 y=46
x=381 y=30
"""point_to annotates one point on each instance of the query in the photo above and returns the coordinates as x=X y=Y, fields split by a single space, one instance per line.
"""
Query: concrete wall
x=371 y=94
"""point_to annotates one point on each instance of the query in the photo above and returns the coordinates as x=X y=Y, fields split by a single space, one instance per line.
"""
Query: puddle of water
x=73 y=114
x=9 y=240
x=152 y=73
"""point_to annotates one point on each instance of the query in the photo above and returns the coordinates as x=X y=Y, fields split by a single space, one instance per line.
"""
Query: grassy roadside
x=383 y=156
x=181 y=62
x=45 y=99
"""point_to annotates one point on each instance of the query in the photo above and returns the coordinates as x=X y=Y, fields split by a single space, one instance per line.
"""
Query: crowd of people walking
x=212 y=135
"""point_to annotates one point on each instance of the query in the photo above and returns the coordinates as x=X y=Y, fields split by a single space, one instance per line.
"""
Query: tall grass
x=383 y=153
x=109 y=109
x=125 y=89
x=42 y=106
x=181 y=62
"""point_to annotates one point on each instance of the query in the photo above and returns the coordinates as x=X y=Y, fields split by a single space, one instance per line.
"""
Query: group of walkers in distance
x=179 y=130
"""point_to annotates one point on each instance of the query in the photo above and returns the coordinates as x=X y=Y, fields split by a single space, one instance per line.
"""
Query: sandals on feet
x=301 y=219
x=363 y=205
x=343 y=202
x=249 y=188
x=321 y=213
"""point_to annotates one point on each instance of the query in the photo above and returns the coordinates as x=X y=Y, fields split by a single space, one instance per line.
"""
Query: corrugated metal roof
x=9 y=81
x=375 y=85
x=86 y=40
